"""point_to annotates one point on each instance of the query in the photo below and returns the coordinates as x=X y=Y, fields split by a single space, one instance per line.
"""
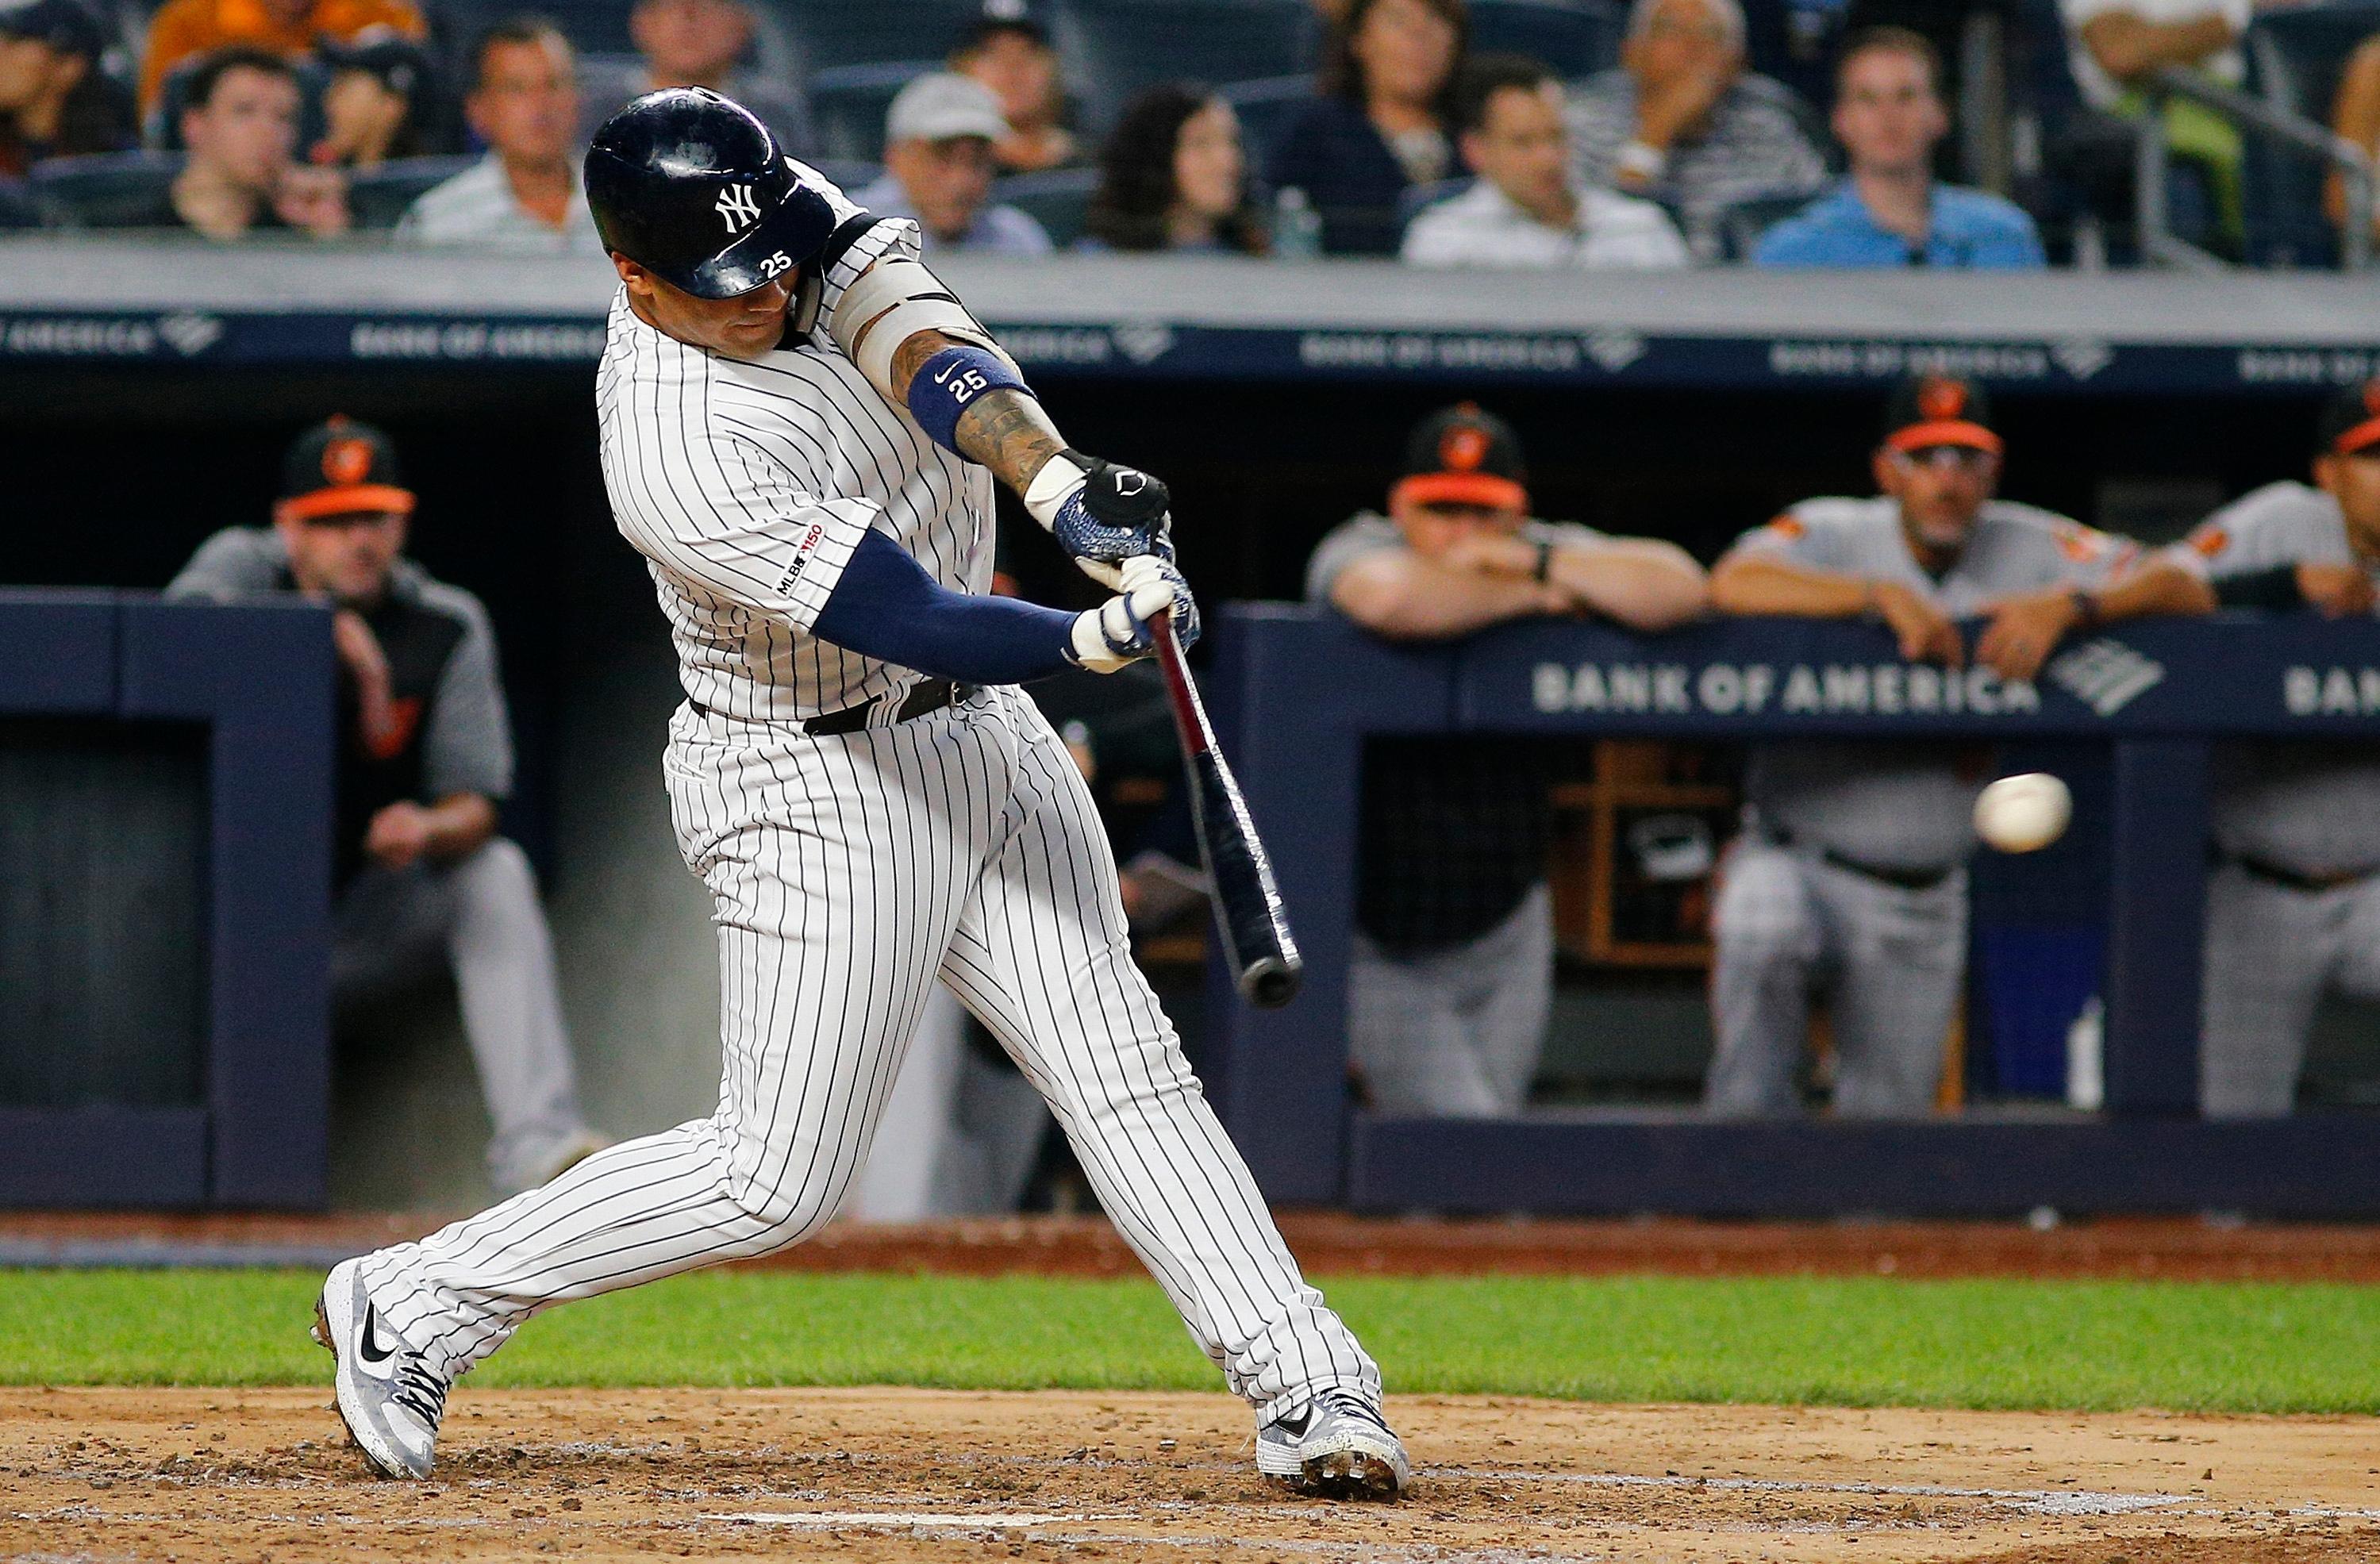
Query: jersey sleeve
x=733 y=522
x=1802 y=536
x=2278 y=525
x=1346 y=544
x=2089 y=557
x=860 y=240
x=468 y=744
x=239 y=562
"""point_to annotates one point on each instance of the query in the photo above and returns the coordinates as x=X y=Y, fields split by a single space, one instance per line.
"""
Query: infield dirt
x=197 y=1476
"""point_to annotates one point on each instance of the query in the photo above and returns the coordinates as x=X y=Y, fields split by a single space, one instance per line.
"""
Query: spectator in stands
x=1684 y=122
x=1379 y=128
x=1849 y=875
x=525 y=194
x=1173 y=177
x=2355 y=114
x=381 y=102
x=54 y=100
x=2116 y=45
x=1524 y=209
x=425 y=756
x=184 y=29
x=1452 y=975
x=1008 y=51
x=694 y=44
x=2293 y=904
x=938 y=169
x=240 y=125
x=1891 y=211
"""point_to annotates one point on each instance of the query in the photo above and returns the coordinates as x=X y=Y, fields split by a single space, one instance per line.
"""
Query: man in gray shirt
x=1453 y=974
x=425 y=755
x=1848 y=876
x=1684 y=122
x=2293 y=906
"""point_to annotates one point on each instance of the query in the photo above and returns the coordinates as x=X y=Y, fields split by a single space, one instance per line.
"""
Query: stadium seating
x=102 y=192
x=860 y=32
x=848 y=104
x=1057 y=198
x=379 y=197
x=1577 y=38
x=1740 y=222
x=17 y=208
x=1115 y=49
x=1266 y=106
x=2295 y=60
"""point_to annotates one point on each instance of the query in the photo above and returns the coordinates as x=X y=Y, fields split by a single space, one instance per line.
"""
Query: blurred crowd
x=1451 y=133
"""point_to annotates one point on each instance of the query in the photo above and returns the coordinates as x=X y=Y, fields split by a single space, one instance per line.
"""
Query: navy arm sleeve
x=885 y=606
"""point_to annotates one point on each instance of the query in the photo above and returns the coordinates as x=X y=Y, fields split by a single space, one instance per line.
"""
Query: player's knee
x=498 y=869
x=1763 y=912
x=787 y=1211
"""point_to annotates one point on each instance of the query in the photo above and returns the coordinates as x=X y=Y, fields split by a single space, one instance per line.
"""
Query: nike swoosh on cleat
x=366 y=1348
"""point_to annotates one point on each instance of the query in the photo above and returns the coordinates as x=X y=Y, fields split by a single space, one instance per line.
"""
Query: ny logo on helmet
x=738 y=208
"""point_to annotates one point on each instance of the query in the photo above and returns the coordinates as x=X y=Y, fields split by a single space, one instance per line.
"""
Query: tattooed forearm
x=1006 y=430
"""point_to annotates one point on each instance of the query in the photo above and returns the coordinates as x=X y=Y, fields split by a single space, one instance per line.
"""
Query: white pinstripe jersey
x=747 y=485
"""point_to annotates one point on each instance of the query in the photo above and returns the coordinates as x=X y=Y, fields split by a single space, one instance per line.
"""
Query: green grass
x=1840 y=1342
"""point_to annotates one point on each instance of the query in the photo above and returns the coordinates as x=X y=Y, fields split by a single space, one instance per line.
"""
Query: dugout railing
x=1297 y=691
x=87 y=1117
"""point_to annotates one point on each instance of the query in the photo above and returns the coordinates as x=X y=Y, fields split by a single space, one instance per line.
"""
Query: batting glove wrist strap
x=1118 y=632
x=1100 y=513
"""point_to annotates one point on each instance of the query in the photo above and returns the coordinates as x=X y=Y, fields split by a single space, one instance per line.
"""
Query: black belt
x=2290 y=880
x=1900 y=879
x=930 y=696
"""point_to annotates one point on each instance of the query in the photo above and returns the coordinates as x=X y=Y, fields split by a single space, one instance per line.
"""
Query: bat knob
x=1269 y=983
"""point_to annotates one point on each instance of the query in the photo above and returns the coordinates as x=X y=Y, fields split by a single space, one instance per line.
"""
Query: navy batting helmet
x=693 y=189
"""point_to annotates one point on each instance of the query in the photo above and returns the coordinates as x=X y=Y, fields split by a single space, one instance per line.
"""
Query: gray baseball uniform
x=1849 y=875
x=1451 y=979
x=2293 y=908
x=480 y=914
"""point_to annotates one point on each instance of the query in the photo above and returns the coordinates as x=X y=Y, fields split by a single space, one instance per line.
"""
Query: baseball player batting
x=800 y=431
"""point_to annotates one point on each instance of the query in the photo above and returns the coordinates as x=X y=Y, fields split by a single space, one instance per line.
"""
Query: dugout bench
x=1296 y=691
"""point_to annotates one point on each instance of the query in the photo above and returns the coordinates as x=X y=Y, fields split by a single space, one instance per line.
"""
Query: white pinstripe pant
x=847 y=873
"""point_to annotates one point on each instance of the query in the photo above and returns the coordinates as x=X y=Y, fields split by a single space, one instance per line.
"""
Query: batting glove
x=1118 y=631
x=1101 y=514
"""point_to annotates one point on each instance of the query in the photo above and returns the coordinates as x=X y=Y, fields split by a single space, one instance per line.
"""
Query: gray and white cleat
x=390 y=1397
x=1341 y=1448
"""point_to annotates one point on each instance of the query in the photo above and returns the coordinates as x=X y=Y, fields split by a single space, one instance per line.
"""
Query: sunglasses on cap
x=1946 y=458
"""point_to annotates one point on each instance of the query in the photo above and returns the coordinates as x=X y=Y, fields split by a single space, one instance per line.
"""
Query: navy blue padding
x=17 y=208
x=57 y=652
x=259 y=675
x=1577 y=38
x=88 y=1158
x=885 y=606
x=1115 y=49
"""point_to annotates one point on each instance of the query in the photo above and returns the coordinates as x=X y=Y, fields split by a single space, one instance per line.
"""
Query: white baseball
x=2024 y=813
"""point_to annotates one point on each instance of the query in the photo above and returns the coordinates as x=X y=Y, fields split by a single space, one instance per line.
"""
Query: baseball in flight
x=2024 y=813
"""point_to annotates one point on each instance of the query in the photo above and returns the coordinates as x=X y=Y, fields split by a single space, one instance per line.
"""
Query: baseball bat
x=1254 y=924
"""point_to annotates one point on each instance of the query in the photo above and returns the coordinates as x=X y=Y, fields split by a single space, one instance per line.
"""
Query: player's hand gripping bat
x=1247 y=904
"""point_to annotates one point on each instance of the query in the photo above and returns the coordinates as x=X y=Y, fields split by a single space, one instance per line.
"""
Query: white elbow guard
x=890 y=302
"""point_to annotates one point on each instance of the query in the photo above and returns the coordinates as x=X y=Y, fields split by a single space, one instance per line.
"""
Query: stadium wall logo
x=1730 y=689
x=2105 y=675
x=2331 y=692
